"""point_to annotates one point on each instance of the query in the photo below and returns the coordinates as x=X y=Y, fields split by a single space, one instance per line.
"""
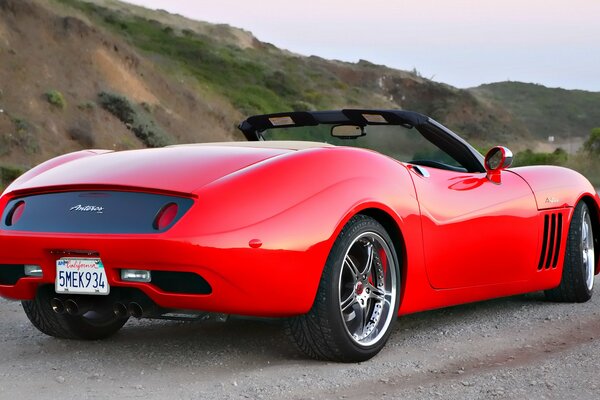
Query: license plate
x=81 y=276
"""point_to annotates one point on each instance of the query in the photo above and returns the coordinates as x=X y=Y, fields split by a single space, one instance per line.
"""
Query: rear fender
x=296 y=209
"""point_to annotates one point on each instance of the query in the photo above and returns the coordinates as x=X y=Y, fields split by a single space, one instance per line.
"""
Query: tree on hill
x=592 y=145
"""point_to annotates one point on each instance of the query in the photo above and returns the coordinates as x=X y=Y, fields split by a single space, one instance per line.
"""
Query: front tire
x=577 y=283
x=93 y=325
x=357 y=300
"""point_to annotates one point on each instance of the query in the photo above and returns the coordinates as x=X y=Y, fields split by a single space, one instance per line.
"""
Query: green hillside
x=257 y=77
x=546 y=111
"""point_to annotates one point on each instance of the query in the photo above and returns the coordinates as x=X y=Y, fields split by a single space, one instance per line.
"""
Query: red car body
x=265 y=215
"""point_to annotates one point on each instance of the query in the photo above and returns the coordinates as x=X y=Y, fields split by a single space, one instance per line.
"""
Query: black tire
x=575 y=285
x=324 y=333
x=90 y=326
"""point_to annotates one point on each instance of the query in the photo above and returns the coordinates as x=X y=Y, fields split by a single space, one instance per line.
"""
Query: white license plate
x=81 y=276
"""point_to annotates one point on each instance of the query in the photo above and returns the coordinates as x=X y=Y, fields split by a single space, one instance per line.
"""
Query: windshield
x=396 y=141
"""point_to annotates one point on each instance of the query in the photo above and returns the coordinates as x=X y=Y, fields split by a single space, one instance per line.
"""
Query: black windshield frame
x=442 y=137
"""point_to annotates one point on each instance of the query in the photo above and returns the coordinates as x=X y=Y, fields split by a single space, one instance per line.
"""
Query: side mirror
x=496 y=160
x=348 y=131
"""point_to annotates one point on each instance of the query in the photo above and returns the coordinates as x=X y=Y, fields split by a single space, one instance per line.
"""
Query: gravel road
x=515 y=348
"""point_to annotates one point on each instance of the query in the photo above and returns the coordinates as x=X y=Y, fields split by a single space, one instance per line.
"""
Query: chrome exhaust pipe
x=78 y=306
x=71 y=307
x=57 y=305
x=135 y=310
x=120 y=310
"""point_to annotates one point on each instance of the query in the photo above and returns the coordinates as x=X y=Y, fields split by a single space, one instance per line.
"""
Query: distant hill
x=546 y=111
x=77 y=74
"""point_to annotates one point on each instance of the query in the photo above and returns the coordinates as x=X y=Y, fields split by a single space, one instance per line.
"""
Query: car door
x=476 y=232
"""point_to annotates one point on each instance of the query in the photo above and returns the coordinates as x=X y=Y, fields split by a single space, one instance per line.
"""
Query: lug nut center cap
x=359 y=288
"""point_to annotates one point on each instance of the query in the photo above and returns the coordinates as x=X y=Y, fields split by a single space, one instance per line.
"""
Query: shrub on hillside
x=188 y=33
x=82 y=134
x=280 y=83
x=86 y=106
x=592 y=145
x=117 y=105
x=24 y=136
x=587 y=166
x=302 y=106
x=528 y=157
x=8 y=174
x=581 y=162
x=145 y=129
x=136 y=118
x=56 y=98
x=5 y=143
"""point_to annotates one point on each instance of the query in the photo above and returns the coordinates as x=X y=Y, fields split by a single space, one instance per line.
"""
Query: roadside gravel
x=520 y=347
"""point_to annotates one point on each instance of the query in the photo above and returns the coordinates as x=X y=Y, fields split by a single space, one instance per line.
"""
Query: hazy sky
x=460 y=42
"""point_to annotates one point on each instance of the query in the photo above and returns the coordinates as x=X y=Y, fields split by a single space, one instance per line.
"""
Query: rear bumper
x=244 y=280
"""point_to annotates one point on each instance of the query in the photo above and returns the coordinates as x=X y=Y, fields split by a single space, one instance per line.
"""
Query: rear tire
x=577 y=283
x=357 y=301
x=91 y=326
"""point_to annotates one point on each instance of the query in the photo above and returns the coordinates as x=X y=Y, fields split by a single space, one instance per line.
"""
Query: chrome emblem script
x=90 y=209
x=551 y=200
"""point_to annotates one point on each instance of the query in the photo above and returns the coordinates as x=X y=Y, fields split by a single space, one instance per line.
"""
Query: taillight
x=165 y=216
x=15 y=214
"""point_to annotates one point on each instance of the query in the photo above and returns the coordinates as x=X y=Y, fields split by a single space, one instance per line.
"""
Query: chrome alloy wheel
x=587 y=247
x=367 y=289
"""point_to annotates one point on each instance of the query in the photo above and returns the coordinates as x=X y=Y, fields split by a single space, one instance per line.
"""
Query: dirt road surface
x=514 y=348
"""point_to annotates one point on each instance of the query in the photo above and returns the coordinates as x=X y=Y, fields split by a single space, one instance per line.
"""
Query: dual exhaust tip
x=133 y=309
x=68 y=306
x=76 y=308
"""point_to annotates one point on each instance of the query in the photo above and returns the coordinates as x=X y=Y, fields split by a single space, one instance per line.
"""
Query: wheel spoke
x=376 y=293
x=369 y=264
x=362 y=321
x=350 y=301
x=351 y=267
x=584 y=235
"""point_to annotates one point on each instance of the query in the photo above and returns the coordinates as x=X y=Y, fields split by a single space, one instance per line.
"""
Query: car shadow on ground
x=244 y=342
x=461 y=313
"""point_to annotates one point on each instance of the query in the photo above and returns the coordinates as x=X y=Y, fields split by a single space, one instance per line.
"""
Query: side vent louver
x=551 y=241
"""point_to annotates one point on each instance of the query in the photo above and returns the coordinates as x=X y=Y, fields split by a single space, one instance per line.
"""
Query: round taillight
x=165 y=216
x=15 y=214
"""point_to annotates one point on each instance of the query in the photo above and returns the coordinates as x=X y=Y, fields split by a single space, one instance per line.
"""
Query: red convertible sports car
x=338 y=221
